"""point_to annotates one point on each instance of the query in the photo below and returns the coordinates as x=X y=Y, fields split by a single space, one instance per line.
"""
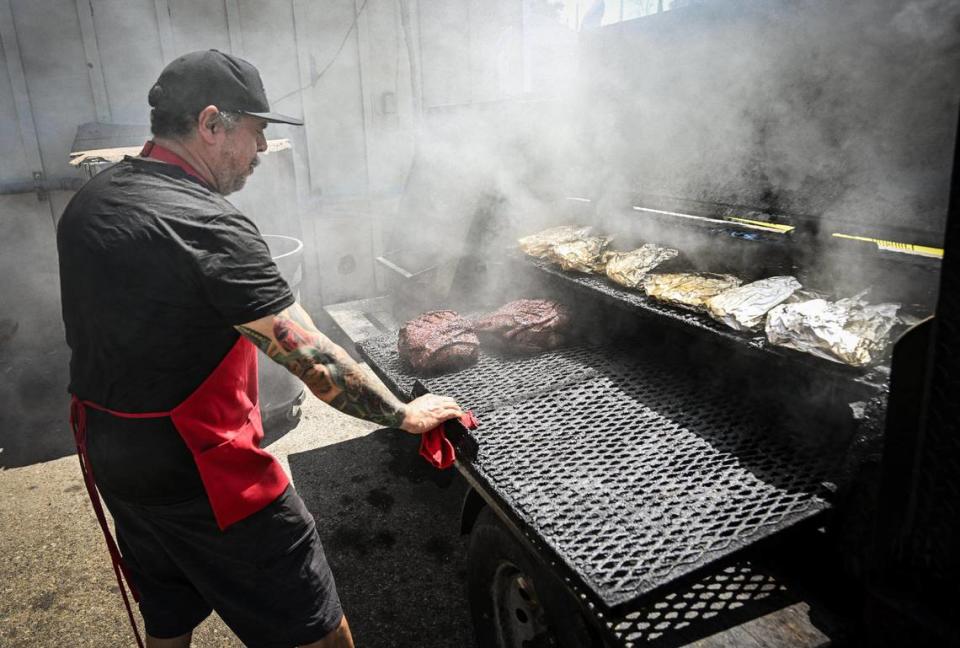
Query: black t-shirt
x=155 y=270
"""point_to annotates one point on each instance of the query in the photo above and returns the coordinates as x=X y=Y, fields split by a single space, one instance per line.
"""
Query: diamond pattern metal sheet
x=718 y=598
x=626 y=468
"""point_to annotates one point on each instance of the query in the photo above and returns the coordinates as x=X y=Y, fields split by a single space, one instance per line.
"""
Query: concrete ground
x=388 y=521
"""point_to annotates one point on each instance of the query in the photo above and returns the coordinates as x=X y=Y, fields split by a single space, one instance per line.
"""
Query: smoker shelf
x=873 y=381
x=627 y=471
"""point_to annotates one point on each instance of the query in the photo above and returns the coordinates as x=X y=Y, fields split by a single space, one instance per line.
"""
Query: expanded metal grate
x=719 y=598
x=629 y=470
x=496 y=380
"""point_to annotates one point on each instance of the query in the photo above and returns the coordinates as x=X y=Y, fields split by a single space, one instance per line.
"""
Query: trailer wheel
x=514 y=603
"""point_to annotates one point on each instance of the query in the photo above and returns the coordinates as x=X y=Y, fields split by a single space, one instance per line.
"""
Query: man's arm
x=291 y=339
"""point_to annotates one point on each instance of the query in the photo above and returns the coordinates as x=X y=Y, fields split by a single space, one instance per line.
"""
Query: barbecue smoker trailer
x=664 y=480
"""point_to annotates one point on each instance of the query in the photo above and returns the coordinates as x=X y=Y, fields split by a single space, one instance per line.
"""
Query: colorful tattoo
x=326 y=369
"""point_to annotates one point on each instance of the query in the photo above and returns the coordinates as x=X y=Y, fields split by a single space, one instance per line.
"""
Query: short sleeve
x=238 y=276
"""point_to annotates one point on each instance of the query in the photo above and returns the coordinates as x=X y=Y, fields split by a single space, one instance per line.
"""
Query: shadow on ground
x=390 y=526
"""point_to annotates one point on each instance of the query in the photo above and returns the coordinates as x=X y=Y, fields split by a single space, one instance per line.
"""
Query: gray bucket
x=280 y=391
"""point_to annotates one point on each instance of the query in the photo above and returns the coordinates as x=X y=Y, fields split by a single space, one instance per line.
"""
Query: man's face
x=237 y=156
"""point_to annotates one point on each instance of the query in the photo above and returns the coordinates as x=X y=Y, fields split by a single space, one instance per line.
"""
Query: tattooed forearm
x=329 y=372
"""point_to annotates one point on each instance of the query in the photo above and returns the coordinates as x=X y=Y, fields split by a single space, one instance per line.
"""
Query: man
x=167 y=292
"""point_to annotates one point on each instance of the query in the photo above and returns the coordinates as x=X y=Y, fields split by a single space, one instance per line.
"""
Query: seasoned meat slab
x=525 y=326
x=438 y=341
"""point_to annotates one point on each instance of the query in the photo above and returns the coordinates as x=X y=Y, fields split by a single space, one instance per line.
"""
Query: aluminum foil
x=745 y=307
x=582 y=255
x=541 y=244
x=629 y=268
x=688 y=289
x=849 y=331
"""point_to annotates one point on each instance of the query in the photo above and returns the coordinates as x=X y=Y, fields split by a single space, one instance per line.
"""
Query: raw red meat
x=525 y=326
x=438 y=341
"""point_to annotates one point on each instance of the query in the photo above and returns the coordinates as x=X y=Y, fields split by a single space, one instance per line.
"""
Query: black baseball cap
x=199 y=79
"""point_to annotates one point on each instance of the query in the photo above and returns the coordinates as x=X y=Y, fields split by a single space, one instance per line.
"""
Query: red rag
x=436 y=448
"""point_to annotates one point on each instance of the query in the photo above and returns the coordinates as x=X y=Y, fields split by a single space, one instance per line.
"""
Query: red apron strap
x=78 y=422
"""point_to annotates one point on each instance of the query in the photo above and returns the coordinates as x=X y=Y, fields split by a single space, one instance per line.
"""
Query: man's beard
x=235 y=173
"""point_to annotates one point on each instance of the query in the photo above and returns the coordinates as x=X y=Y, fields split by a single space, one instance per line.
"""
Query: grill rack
x=629 y=473
x=869 y=382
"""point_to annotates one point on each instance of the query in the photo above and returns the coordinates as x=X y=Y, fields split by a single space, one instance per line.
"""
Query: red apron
x=220 y=424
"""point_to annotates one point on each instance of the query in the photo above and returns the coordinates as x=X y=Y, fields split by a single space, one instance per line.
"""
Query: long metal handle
x=406 y=274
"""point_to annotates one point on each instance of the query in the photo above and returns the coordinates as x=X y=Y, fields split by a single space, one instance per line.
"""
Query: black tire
x=515 y=603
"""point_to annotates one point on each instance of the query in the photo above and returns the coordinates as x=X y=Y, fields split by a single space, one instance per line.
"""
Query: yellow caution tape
x=773 y=227
x=896 y=246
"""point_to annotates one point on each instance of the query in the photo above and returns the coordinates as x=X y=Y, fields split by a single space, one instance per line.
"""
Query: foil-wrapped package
x=582 y=255
x=848 y=330
x=744 y=308
x=629 y=268
x=688 y=289
x=540 y=245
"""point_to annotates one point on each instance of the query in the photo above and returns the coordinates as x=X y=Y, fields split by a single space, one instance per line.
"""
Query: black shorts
x=266 y=576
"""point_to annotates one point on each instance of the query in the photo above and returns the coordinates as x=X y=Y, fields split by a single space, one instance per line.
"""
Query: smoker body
x=629 y=474
x=732 y=477
x=665 y=478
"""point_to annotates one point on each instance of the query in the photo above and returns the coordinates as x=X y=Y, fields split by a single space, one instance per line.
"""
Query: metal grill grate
x=872 y=380
x=496 y=380
x=626 y=468
x=717 y=598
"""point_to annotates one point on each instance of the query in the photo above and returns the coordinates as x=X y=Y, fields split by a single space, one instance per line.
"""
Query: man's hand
x=427 y=412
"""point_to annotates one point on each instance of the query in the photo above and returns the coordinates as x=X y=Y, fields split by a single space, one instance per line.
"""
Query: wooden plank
x=18 y=83
x=101 y=101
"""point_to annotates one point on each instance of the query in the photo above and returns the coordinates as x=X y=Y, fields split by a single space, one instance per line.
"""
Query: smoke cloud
x=840 y=116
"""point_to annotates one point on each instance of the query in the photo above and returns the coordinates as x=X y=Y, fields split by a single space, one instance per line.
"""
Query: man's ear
x=209 y=125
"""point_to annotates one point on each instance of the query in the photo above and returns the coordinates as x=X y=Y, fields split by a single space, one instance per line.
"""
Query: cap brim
x=276 y=118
